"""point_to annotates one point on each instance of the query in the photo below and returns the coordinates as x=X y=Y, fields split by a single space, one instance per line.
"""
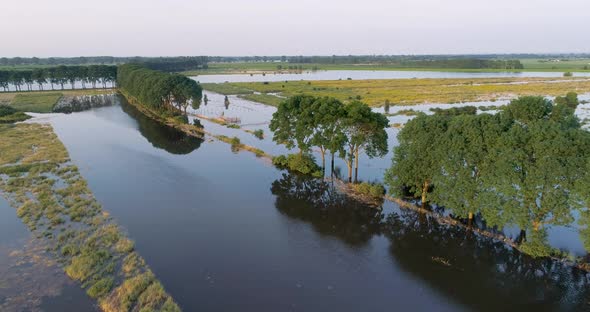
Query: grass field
x=41 y=101
x=574 y=65
x=413 y=91
x=267 y=99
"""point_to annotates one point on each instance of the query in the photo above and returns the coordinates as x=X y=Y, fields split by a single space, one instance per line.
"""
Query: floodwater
x=226 y=231
x=371 y=74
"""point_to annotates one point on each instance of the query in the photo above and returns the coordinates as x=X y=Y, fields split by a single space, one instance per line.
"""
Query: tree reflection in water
x=329 y=211
x=161 y=136
x=478 y=272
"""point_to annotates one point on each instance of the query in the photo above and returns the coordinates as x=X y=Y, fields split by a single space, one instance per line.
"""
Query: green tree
x=292 y=123
x=463 y=156
x=537 y=165
x=416 y=159
x=328 y=135
x=40 y=77
x=364 y=130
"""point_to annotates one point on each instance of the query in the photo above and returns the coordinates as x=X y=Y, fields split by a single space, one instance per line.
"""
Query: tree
x=328 y=136
x=292 y=123
x=570 y=100
x=463 y=153
x=386 y=106
x=40 y=77
x=226 y=102
x=416 y=159
x=537 y=165
x=364 y=130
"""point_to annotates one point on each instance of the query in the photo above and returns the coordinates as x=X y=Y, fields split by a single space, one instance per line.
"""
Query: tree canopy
x=305 y=121
x=519 y=167
x=158 y=90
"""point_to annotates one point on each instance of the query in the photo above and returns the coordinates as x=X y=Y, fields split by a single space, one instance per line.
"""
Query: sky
x=46 y=28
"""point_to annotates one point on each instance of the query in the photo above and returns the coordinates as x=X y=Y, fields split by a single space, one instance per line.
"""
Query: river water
x=371 y=74
x=226 y=231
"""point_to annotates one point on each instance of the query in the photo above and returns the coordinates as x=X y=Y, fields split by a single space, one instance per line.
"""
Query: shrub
x=568 y=74
x=6 y=110
x=376 y=190
x=259 y=134
x=183 y=119
x=235 y=141
x=233 y=126
x=302 y=163
x=100 y=288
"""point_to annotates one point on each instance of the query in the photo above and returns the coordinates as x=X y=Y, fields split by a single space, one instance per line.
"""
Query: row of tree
x=525 y=166
x=58 y=76
x=305 y=122
x=190 y=62
x=159 y=90
x=464 y=62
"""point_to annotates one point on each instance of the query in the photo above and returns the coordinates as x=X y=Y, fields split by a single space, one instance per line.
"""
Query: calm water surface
x=228 y=232
x=370 y=74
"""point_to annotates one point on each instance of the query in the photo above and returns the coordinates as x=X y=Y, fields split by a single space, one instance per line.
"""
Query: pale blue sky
x=280 y=27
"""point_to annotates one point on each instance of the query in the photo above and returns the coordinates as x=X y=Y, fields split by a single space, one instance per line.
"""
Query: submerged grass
x=416 y=91
x=263 y=98
x=54 y=201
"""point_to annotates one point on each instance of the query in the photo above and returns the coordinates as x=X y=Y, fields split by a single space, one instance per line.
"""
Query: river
x=372 y=74
x=226 y=231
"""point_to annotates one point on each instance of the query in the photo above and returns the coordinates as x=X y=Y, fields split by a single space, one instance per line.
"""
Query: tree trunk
x=424 y=192
x=332 y=166
x=349 y=163
x=323 y=152
x=356 y=165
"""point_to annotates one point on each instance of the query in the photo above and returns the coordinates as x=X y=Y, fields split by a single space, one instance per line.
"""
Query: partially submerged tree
x=416 y=160
x=364 y=130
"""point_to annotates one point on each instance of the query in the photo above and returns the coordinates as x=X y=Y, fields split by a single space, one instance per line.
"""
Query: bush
x=568 y=74
x=259 y=134
x=233 y=126
x=6 y=110
x=100 y=288
x=376 y=190
x=16 y=117
x=235 y=141
x=183 y=119
x=302 y=163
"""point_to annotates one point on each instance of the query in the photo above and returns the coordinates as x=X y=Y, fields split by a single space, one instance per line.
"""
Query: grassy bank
x=54 y=201
x=412 y=91
x=42 y=101
x=194 y=130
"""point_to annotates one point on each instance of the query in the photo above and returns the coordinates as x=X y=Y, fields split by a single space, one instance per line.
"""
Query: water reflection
x=483 y=274
x=479 y=273
x=330 y=212
x=161 y=136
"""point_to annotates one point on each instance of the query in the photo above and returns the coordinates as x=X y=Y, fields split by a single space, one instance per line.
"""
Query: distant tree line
x=179 y=63
x=525 y=166
x=92 y=75
x=176 y=64
x=157 y=89
x=413 y=62
x=327 y=124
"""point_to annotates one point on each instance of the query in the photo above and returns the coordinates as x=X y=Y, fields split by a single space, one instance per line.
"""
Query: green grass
x=417 y=91
x=16 y=117
x=71 y=223
x=263 y=98
x=42 y=101
x=36 y=102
